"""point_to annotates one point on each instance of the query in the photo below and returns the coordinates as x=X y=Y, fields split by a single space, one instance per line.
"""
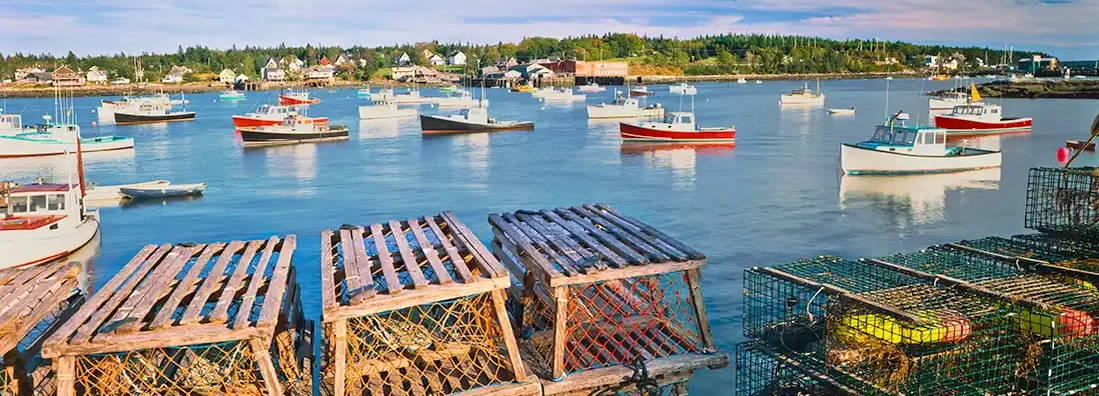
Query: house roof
x=64 y=71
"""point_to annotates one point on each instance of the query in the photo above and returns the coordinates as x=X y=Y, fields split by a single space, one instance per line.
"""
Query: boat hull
x=165 y=191
x=129 y=119
x=798 y=100
x=855 y=160
x=113 y=193
x=11 y=146
x=29 y=247
x=381 y=113
x=255 y=138
x=635 y=133
x=610 y=112
x=246 y=121
x=963 y=126
x=1078 y=145
x=290 y=101
x=434 y=125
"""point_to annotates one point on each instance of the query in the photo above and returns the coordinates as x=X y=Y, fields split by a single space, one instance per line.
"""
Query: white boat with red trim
x=273 y=115
x=42 y=222
x=292 y=130
x=676 y=127
x=900 y=149
x=981 y=119
x=292 y=97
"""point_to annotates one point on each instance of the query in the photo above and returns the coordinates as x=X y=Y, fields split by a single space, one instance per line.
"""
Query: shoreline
x=45 y=91
x=1036 y=89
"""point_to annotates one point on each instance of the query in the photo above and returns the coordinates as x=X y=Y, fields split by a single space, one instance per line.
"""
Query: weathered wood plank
x=65 y=367
x=691 y=253
x=651 y=239
x=485 y=261
x=214 y=278
x=631 y=272
x=432 y=293
x=328 y=273
x=526 y=246
x=429 y=253
x=411 y=264
x=117 y=296
x=254 y=282
x=164 y=317
x=580 y=233
x=220 y=314
x=28 y=316
x=460 y=266
x=132 y=313
x=357 y=267
x=631 y=255
x=389 y=271
x=163 y=338
x=499 y=300
x=339 y=332
x=613 y=375
x=584 y=260
x=560 y=326
x=625 y=236
x=267 y=370
x=272 y=298
x=539 y=245
x=694 y=280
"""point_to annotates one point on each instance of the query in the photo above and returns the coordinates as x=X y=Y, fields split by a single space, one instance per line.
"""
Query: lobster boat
x=290 y=98
x=682 y=89
x=641 y=91
x=151 y=114
x=980 y=119
x=625 y=108
x=292 y=130
x=42 y=222
x=471 y=120
x=803 y=95
x=379 y=110
x=51 y=139
x=900 y=149
x=591 y=87
x=676 y=127
x=1078 y=145
x=268 y=115
x=231 y=96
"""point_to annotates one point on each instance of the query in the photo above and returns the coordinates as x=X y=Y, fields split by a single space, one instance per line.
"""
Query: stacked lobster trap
x=33 y=302
x=416 y=307
x=218 y=318
x=600 y=297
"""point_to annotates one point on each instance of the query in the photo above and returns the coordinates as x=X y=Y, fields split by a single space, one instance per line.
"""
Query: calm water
x=777 y=196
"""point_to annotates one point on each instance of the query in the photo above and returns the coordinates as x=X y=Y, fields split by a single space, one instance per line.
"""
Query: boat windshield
x=898 y=137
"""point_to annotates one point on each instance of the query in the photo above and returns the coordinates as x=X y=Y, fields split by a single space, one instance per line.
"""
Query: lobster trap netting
x=615 y=322
x=763 y=372
x=1066 y=252
x=1018 y=246
x=438 y=348
x=1064 y=201
x=219 y=368
x=957 y=263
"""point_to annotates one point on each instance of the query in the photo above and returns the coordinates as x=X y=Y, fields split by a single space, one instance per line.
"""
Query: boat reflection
x=130 y=204
x=382 y=129
x=914 y=199
x=296 y=161
x=57 y=168
x=472 y=150
x=86 y=256
x=679 y=158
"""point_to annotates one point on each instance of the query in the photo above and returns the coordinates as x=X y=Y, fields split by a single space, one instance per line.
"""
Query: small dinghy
x=1078 y=145
x=231 y=96
x=850 y=111
x=163 y=191
x=114 y=193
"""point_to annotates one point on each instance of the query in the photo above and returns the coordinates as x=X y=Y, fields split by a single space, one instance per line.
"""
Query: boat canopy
x=679 y=118
x=908 y=137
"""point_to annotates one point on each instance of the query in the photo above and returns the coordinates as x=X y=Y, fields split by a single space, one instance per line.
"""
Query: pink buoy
x=93 y=123
x=1062 y=154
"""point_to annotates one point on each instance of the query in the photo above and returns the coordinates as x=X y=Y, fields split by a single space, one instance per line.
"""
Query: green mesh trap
x=1063 y=201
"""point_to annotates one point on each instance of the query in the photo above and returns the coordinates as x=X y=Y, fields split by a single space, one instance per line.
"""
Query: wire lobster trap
x=601 y=294
x=1055 y=309
x=416 y=307
x=1065 y=252
x=218 y=318
x=1063 y=201
x=761 y=371
x=885 y=331
x=33 y=302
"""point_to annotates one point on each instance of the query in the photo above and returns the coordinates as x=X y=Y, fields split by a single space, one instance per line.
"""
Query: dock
x=34 y=301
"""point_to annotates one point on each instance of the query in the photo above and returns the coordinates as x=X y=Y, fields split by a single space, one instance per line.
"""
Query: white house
x=436 y=60
x=459 y=58
x=317 y=74
x=340 y=60
x=227 y=76
x=404 y=59
x=293 y=63
x=426 y=54
x=22 y=73
x=240 y=78
x=951 y=64
x=96 y=76
x=930 y=61
x=172 y=79
x=273 y=74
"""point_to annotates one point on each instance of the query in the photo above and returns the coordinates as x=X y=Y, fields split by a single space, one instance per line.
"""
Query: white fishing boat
x=562 y=95
x=591 y=87
x=43 y=222
x=803 y=95
x=379 y=110
x=625 y=108
x=410 y=97
x=541 y=92
x=682 y=89
x=107 y=108
x=273 y=115
x=51 y=139
x=97 y=193
x=741 y=81
x=759 y=82
x=900 y=149
x=293 y=130
x=850 y=111
x=471 y=120
x=152 y=114
x=945 y=103
x=641 y=91
x=459 y=98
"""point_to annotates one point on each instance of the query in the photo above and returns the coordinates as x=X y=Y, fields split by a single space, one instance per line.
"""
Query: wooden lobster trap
x=218 y=318
x=604 y=297
x=33 y=302
x=416 y=307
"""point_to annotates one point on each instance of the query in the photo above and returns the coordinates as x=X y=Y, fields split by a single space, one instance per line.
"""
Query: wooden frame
x=594 y=247
x=370 y=272
x=189 y=296
x=30 y=297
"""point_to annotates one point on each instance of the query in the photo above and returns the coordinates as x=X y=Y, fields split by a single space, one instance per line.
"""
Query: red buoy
x=1062 y=154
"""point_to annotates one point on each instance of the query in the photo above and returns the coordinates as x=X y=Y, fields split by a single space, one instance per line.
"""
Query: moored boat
x=677 y=127
x=470 y=120
x=939 y=77
x=625 y=108
x=591 y=87
x=900 y=149
x=51 y=139
x=382 y=110
x=561 y=95
x=273 y=115
x=411 y=97
x=524 y=88
x=151 y=114
x=113 y=193
x=682 y=89
x=980 y=119
x=460 y=98
x=641 y=91
x=107 y=108
x=448 y=89
x=292 y=130
x=1078 y=145
x=43 y=222
x=741 y=81
x=301 y=97
x=850 y=111
x=162 y=191
x=231 y=96
x=363 y=93
x=803 y=95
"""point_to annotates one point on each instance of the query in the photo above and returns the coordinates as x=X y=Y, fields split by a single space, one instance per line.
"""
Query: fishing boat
x=461 y=98
x=107 y=108
x=980 y=119
x=273 y=115
x=901 y=149
x=759 y=82
x=523 y=89
x=625 y=108
x=741 y=81
x=803 y=95
x=890 y=78
x=51 y=139
x=379 y=110
x=677 y=127
x=939 y=77
x=850 y=111
x=363 y=93
x=231 y=96
x=562 y=95
x=591 y=87
x=682 y=89
x=640 y=91
x=410 y=97
x=97 y=193
x=152 y=114
x=947 y=101
x=470 y=120
x=1078 y=145
x=292 y=130
x=293 y=97
x=162 y=191
x=448 y=89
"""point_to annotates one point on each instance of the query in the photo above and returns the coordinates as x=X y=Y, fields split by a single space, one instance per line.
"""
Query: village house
x=43 y=77
x=886 y=62
x=272 y=72
x=931 y=61
x=66 y=77
x=318 y=75
x=414 y=73
x=180 y=70
x=227 y=76
x=507 y=63
x=97 y=76
x=22 y=73
x=403 y=60
x=426 y=54
x=240 y=79
x=533 y=71
x=172 y=78
x=459 y=58
x=342 y=60
x=436 y=60
x=951 y=64
x=291 y=62
x=503 y=75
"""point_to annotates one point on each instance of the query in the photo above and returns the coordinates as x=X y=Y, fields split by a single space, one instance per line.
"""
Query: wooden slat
x=691 y=253
x=411 y=264
x=328 y=273
x=220 y=314
x=389 y=271
x=249 y=299
x=540 y=243
x=163 y=338
x=430 y=294
x=640 y=234
x=357 y=267
x=560 y=326
x=651 y=252
x=525 y=245
x=117 y=296
x=563 y=239
x=262 y=356
x=339 y=330
x=429 y=253
x=272 y=298
x=485 y=260
x=499 y=300
x=28 y=294
x=631 y=255
x=65 y=366
x=141 y=301
x=22 y=318
x=164 y=317
x=694 y=280
x=460 y=266
x=214 y=278
x=583 y=236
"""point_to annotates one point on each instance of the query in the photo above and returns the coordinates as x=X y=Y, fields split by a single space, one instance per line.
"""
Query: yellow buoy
x=936 y=326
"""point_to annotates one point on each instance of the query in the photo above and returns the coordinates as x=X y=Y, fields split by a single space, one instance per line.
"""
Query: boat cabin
x=279 y=110
x=674 y=121
x=475 y=114
x=11 y=122
x=36 y=205
x=978 y=111
x=908 y=139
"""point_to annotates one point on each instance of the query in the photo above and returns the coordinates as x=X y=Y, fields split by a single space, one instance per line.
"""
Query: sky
x=1065 y=28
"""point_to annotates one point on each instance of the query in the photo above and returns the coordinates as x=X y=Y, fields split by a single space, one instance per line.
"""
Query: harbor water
x=776 y=196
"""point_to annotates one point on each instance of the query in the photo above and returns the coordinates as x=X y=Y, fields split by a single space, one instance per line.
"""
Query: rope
x=640 y=378
x=810 y=304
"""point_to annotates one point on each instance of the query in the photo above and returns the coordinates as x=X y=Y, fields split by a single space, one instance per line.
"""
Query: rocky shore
x=1032 y=89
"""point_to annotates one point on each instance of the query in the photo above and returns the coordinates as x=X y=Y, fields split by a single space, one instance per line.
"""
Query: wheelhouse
x=977 y=110
x=37 y=204
x=908 y=137
x=11 y=121
x=679 y=118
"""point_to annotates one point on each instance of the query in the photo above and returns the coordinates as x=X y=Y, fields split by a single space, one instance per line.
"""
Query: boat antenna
x=894 y=118
x=887 y=99
x=481 y=100
x=1094 y=134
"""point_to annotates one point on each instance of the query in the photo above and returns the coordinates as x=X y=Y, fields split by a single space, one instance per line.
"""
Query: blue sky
x=1066 y=28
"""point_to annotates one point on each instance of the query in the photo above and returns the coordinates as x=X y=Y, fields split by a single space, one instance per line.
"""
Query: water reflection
x=472 y=150
x=680 y=159
x=296 y=161
x=130 y=204
x=86 y=256
x=915 y=199
x=798 y=119
x=57 y=168
x=387 y=128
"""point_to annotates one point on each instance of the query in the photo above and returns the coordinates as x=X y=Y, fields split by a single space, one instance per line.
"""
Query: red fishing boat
x=296 y=98
x=979 y=119
x=676 y=127
x=268 y=115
